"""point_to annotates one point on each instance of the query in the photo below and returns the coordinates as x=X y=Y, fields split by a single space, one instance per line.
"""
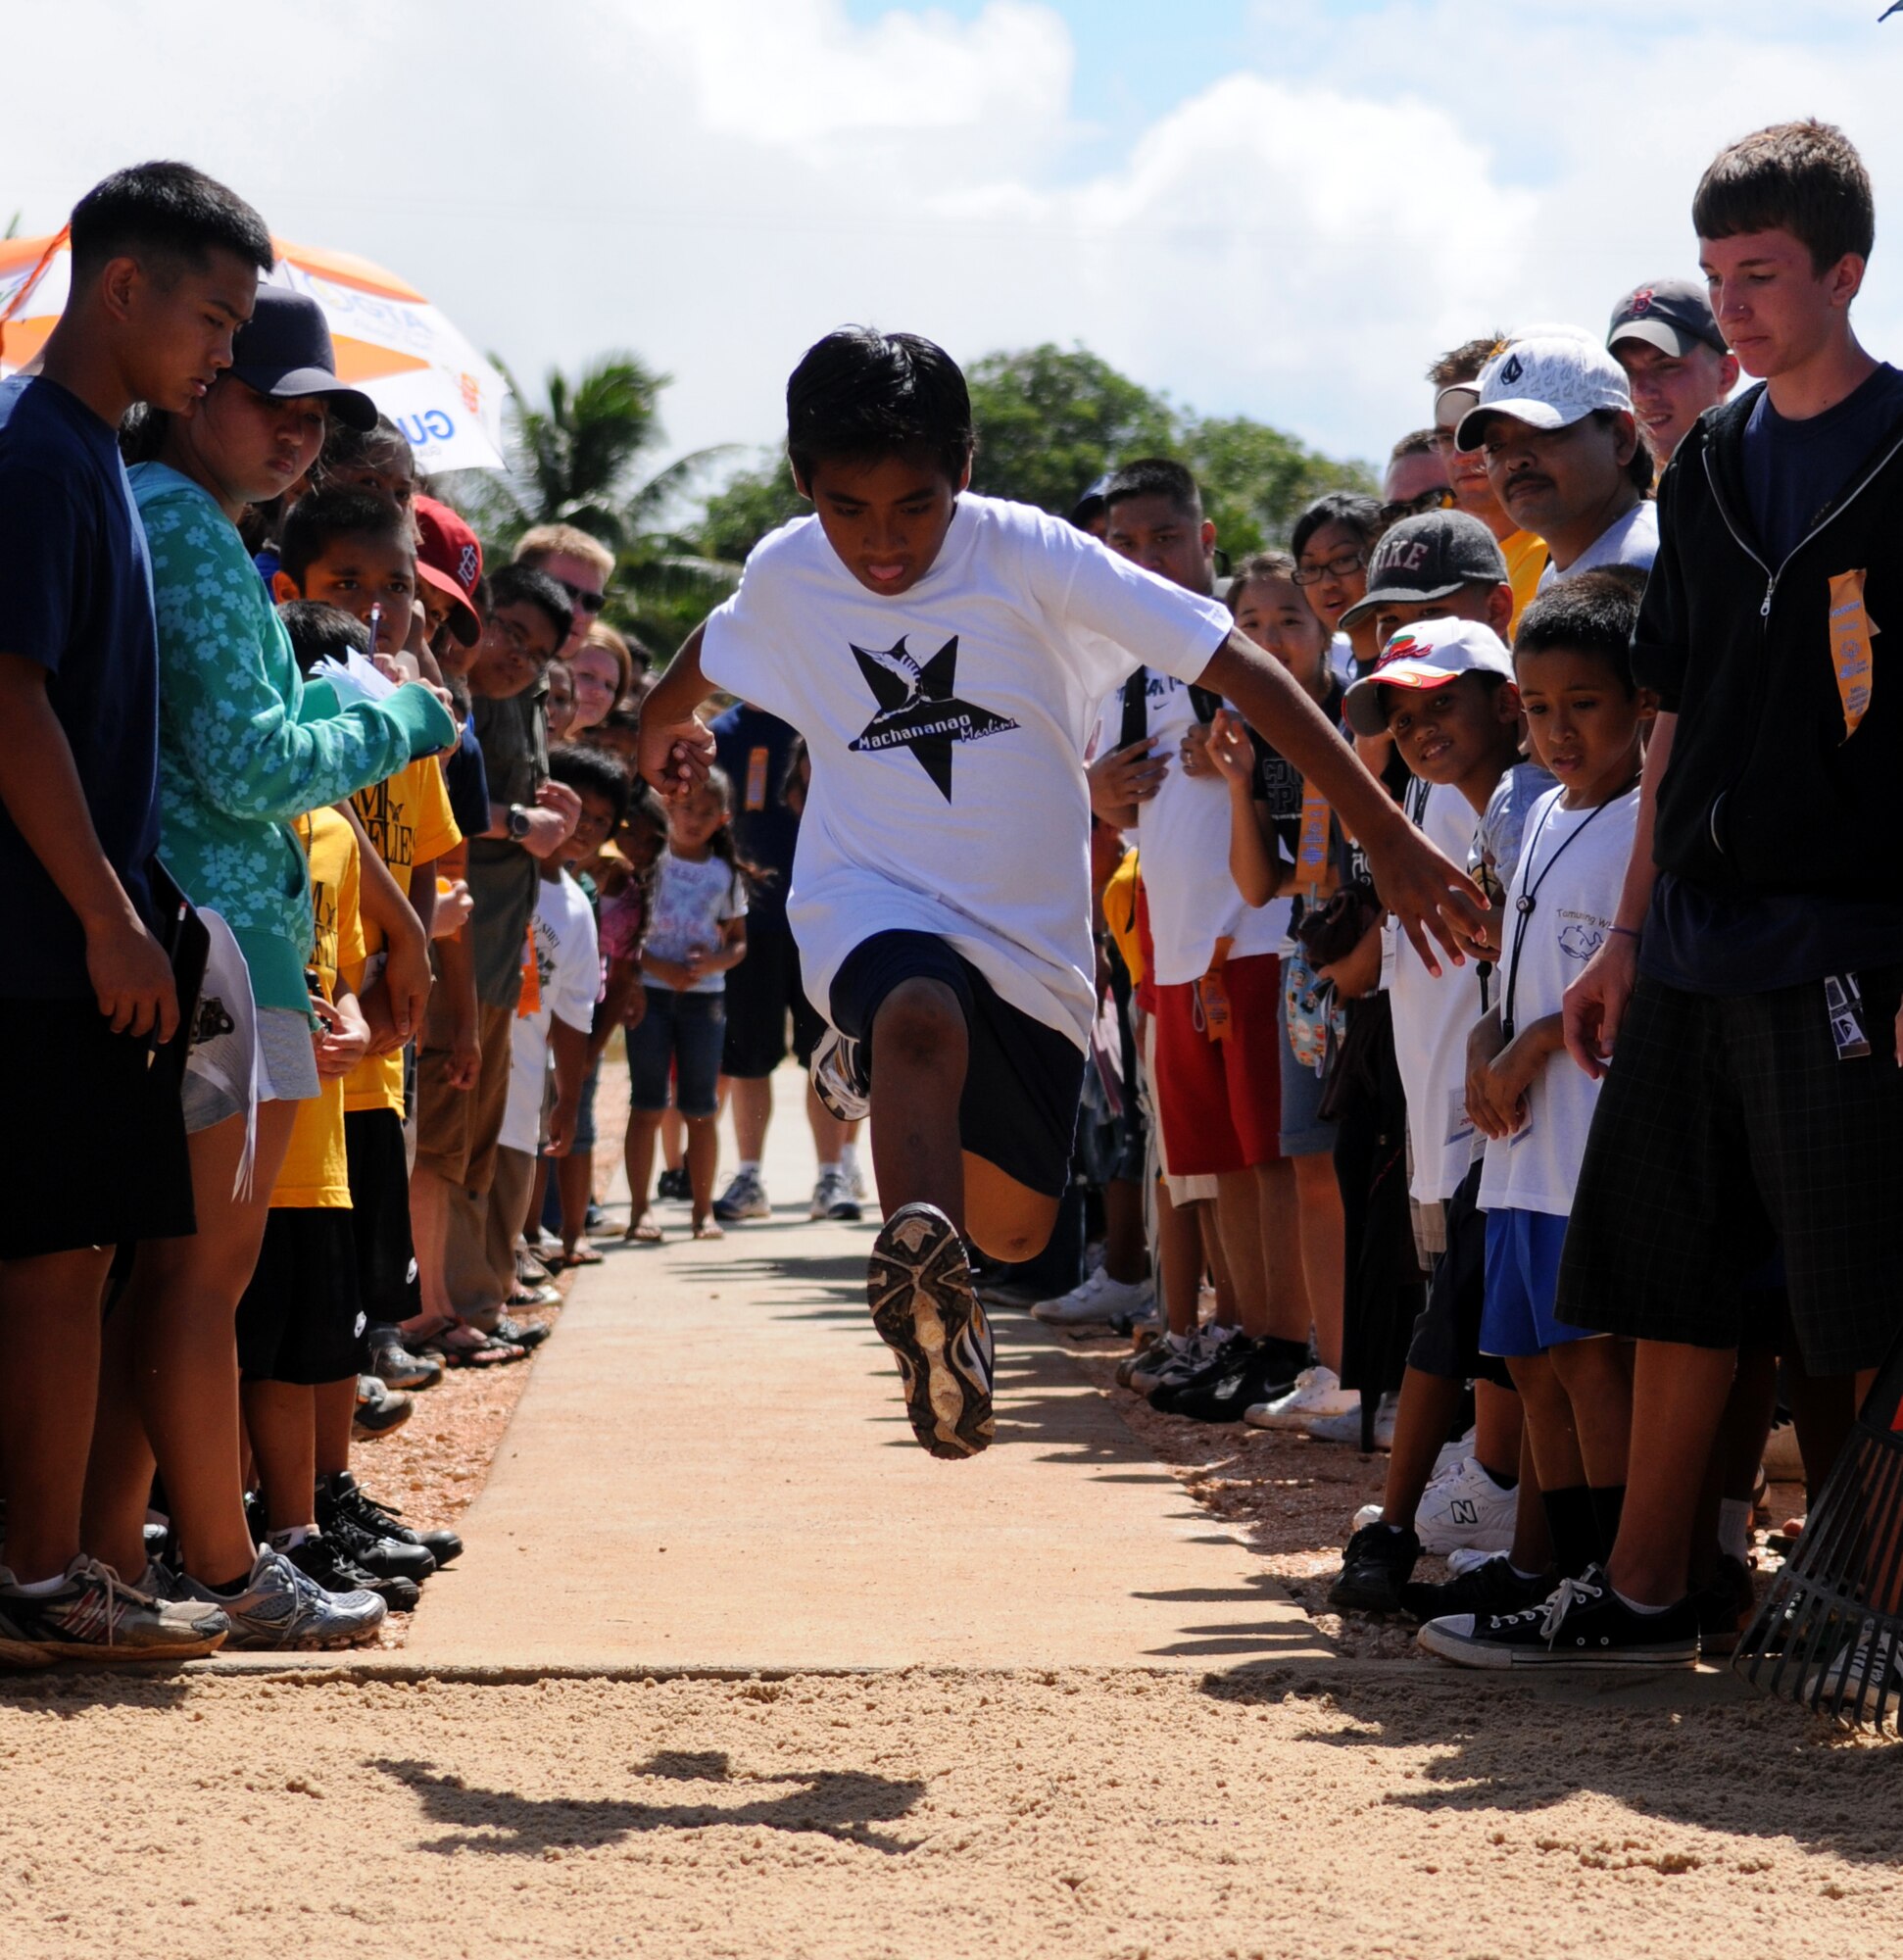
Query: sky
x=1275 y=208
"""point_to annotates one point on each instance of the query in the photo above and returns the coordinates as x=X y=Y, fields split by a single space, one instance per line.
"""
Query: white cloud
x=716 y=183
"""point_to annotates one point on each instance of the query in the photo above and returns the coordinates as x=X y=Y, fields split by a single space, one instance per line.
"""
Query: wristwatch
x=517 y=822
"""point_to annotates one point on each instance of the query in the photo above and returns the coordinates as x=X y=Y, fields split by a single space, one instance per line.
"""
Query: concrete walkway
x=713 y=1469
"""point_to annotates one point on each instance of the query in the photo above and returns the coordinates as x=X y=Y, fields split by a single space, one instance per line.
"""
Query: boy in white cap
x=1564 y=454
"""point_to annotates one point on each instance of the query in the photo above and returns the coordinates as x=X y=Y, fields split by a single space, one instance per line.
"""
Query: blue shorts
x=1523 y=1250
x=1305 y=1131
x=683 y=1033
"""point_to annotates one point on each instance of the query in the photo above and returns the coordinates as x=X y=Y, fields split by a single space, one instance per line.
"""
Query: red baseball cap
x=449 y=556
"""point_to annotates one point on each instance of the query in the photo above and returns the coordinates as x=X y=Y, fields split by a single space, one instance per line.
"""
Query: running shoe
x=1181 y=1357
x=1583 y=1623
x=278 y=1607
x=854 y=1178
x=1317 y=1392
x=744 y=1197
x=322 y=1559
x=378 y=1409
x=832 y=1198
x=838 y=1078
x=918 y=1282
x=1255 y=1371
x=1379 y=1561
x=1465 y=1507
x=404 y=1566
x=92 y=1615
x=396 y=1367
x=1096 y=1300
x=1491 y=1587
x=1867 y=1669
x=1347 y=1427
x=340 y=1495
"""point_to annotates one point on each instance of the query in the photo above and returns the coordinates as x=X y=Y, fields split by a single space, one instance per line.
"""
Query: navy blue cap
x=283 y=350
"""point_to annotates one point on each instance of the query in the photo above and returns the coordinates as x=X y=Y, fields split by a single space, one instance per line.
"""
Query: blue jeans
x=683 y=1033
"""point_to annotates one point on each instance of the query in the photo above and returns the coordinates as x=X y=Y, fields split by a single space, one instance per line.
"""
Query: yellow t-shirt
x=317 y=1173
x=1526 y=560
x=406 y=819
x=1120 y=915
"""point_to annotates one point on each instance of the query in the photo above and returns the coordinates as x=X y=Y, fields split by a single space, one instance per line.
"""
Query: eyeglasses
x=518 y=644
x=590 y=602
x=1440 y=498
x=1345 y=565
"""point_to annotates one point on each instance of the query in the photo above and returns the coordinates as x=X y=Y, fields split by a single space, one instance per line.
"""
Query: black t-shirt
x=1793 y=470
x=754 y=747
x=75 y=595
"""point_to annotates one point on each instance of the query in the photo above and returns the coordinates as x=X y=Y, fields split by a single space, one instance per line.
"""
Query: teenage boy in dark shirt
x=1751 y=984
x=165 y=270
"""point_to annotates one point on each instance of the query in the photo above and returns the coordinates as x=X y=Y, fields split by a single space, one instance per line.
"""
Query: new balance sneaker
x=323 y=1560
x=277 y=1607
x=1466 y=1507
x=919 y=1283
x=832 y=1198
x=1583 y=1623
x=1378 y=1562
x=1490 y=1586
x=1855 y=1679
x=378 y=1409
x=838 y=1077
x=1317 y=1394
x=744 y=1197
x=1347 y=1427
x=1256 y=1371
x=1451 y=1453
x=1096 y=1300
x=92 y=1615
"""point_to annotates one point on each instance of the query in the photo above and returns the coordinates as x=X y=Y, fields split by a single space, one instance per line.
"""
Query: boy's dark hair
x=1360 y=513
x=1594 y=613
x=595 y=771
x=345 y=447
x=523 y=584
x=860 y=393
x=1802 y=177
x=1155 y=476
x=318 y=519
x=319 y=632
x=1464 y=362
x=168 y=211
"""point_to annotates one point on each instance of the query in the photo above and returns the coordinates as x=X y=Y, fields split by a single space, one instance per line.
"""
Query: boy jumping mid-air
x=944 y=655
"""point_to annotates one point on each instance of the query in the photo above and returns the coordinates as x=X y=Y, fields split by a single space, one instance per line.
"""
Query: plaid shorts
x=1725 y=1126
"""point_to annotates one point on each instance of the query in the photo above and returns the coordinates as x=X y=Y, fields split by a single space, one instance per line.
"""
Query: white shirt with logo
x=947 y=726
x=568 y=983
x=1574 y=863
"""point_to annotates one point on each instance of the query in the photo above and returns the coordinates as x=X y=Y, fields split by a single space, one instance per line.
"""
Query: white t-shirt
x=1431 y=1020
x=692 y=898
x=1633 y=539
x=1183 y=833
x=1576 y=886
x=568 y=979
x=946 y=727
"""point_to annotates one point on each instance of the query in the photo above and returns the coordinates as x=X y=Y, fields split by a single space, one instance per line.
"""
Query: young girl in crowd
x=238 y=762
x=697 y=930
x=602 y=667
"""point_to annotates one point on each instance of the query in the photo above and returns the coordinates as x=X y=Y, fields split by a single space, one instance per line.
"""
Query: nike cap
x=1428 y=556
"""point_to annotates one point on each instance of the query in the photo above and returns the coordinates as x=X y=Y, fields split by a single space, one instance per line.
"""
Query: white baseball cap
x=1422 y=657
x=1548 y=380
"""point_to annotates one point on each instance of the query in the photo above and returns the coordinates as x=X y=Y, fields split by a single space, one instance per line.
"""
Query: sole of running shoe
x=919 y=1283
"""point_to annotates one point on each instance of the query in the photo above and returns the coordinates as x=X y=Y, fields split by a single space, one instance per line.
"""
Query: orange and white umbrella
x=404 y=353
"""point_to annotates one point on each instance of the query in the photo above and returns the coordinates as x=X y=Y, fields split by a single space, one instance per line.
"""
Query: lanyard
x=1528 y=901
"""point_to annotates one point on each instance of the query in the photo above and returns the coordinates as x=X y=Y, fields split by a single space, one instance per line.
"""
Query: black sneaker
x=342 y=1496
x=1220 y=1348
x=918 y=1280
x=1585 y=1624
x=1726 y=1606
x=323 y=1559
x=1258 y=1371
x=674 y=1184
x=1493 y=1587
x=1376 y=1564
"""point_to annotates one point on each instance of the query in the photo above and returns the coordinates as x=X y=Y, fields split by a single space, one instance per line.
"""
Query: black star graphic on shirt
x=918 y=709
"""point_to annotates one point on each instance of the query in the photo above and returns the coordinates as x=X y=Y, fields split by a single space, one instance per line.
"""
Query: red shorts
x=1220 y=1102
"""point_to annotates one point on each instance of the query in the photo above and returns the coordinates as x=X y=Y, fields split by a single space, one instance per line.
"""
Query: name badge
x=1314 y=868
x=1843 y=1004
x=1850 y=649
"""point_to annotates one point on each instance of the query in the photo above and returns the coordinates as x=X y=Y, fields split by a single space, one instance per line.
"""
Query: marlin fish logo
x=918 y=710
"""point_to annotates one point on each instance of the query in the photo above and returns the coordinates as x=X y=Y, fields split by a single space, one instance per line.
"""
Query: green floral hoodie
x=242 y=748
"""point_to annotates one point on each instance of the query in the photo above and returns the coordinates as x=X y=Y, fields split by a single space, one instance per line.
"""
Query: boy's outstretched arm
x=676 y=749
x=1424 y=890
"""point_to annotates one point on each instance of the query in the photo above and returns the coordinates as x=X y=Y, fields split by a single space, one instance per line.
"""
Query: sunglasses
x=590 y=602
x=1412 y=506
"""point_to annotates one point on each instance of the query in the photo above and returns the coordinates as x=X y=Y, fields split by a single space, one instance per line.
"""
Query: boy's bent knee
x=918 y=1022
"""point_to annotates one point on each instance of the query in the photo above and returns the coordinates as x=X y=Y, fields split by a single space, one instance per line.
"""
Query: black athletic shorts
x=1447 y=1331
x=97 y=1135
x=1726 y=1125
x=300 y=1320
x=762 y=992
x=387 y=1285
x=1023 y=1081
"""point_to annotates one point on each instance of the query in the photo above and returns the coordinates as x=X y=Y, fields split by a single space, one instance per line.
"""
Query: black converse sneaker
x=1585 y=1624
x=918 y=1280
x=1491 y=1587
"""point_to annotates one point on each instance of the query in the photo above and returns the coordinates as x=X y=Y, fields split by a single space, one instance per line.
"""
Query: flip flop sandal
x=584 y=1254
x=524 y=1297
x=647 y=1233
x=709 y=1228
x=484 y=1352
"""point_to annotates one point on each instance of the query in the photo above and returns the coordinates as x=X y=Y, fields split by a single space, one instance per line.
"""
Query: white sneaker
x=1318 y=1393
x=1099 y=1297
x=1347 y=1427
x=832 y=1198
x=1465 y=1507
x=1856 y=1677
x=1450 y=1455
x=1468 y=1558
x=744 y=1197
x=1368 y=1514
